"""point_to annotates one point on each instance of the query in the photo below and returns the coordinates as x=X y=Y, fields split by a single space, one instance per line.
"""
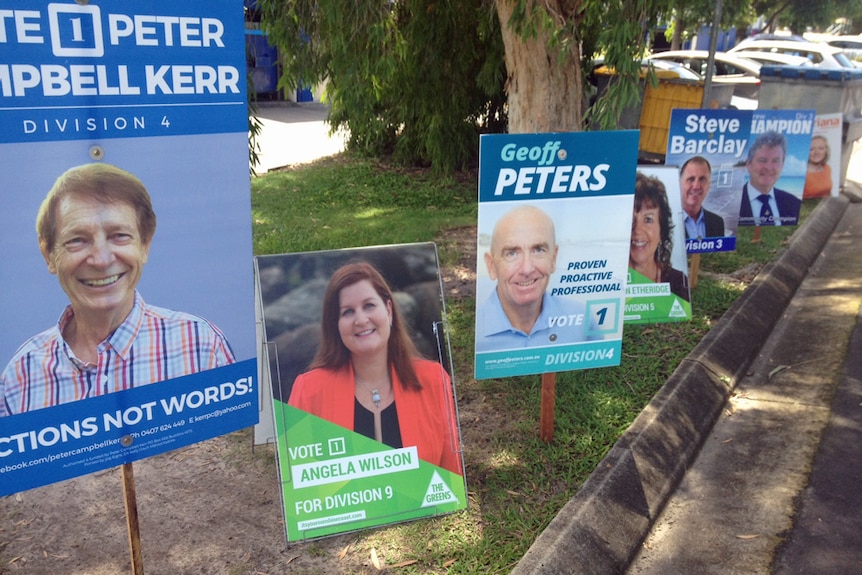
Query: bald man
x=519 y=312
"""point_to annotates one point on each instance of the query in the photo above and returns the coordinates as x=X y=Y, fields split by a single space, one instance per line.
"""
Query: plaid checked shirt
x=152 y=344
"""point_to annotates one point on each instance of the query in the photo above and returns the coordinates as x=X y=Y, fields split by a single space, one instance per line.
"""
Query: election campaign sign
x=128 y=308
x=709 y=148
x=823 y=178
x=657 y=289
x=552 y=250
x=364 y=405
x=776 y=167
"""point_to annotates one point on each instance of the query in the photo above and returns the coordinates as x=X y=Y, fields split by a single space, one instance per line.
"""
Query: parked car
x=684 y=72
x=852 y=45
x=818 y=53
x=774 y=58
x=767 y=36
x=743 y=74
x=599 y=71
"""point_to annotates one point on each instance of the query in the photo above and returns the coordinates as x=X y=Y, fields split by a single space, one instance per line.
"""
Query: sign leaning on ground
x=552 y=251
x=364 y=406
x=128 y=318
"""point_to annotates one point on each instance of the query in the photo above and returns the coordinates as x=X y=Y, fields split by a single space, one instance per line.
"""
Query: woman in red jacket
x=368 y=376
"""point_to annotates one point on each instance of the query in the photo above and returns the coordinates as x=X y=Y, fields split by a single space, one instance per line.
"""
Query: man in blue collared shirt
x=519 y=312
x=694 y=180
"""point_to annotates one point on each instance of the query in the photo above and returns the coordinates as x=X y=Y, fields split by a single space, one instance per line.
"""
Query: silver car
x=817 y=53
x=742 y=73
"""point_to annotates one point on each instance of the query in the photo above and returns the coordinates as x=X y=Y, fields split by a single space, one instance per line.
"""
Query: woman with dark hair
x=818 y=178
x=651 y=244
x=368 y=376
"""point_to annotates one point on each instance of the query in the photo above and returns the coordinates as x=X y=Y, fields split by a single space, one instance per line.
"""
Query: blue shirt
x=494 y=331
x=695 y=228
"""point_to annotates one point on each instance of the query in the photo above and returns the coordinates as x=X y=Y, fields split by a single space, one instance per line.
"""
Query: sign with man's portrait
x=709 y=148
x=776 y=167
x=128 y=306
x=552 y=251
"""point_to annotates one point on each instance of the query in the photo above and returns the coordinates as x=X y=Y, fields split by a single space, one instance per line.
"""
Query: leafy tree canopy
x=422 y=78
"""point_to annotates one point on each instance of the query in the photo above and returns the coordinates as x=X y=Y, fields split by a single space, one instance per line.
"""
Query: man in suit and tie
x=694 y=180
x=766 y=205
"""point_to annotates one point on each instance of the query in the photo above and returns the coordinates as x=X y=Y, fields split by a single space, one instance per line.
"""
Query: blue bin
x=304 y=94
x=262 y=62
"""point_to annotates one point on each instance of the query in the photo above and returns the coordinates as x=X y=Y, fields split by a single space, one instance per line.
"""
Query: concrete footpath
x=746 y=461
x=294 y=133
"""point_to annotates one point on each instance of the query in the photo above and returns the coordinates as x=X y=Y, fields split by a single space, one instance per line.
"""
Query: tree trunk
x=676 y=41
x=545 y=91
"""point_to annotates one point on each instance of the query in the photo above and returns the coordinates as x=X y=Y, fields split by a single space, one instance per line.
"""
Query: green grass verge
x=517 y=483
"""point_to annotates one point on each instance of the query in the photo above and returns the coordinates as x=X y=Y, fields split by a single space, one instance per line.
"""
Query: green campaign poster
x=364 y=408
x=657 y=289
x=335 y=480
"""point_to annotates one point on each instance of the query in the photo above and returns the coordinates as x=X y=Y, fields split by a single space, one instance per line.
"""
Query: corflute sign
x=153 y=69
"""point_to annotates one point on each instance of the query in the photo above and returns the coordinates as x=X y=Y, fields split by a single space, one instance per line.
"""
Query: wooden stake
x=693 y=270
x=130 y=500
x=546 y=422
x=755 y=239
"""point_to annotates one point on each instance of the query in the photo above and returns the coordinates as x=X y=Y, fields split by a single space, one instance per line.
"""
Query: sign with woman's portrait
x=363 y=400
x=658 y=288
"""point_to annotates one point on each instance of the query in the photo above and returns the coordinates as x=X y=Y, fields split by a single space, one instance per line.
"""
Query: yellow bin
x=671 y=92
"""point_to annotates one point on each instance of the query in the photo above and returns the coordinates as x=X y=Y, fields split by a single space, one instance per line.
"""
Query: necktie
x=765 y=211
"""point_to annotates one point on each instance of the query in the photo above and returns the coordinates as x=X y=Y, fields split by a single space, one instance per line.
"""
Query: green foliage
x=254 y=128
x=800 y=15
x=623 y=45
x=517 y=483
x=419 y=78
x=697 y=13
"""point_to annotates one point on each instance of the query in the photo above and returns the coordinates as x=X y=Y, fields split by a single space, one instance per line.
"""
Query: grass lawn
x=516 y=482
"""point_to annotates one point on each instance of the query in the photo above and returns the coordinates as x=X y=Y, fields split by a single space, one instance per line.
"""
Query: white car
x=852 y=45
x=743 y=74
x=818 y=53
x=774 y=58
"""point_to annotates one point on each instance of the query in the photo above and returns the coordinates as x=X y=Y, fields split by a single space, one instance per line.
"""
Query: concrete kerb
x=600 y=529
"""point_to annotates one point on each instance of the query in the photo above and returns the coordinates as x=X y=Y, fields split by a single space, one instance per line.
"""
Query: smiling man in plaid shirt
x=95 y=228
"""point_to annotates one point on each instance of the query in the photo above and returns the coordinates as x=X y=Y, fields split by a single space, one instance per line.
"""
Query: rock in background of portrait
x=292 y=288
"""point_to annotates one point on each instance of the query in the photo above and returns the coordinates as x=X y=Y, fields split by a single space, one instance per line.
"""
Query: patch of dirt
x=215 y=507
x=210 y=508
x=459 y=278
x=741 y=277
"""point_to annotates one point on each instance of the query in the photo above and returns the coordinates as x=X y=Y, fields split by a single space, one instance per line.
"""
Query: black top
x=363 y=422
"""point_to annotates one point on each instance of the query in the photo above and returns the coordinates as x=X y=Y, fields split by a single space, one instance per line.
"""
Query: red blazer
x=426 y=418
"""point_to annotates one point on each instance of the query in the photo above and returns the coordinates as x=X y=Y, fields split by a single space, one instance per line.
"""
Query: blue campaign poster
x=709 y=148
x=129 y=315
x=552 y=253
x=776 y=167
